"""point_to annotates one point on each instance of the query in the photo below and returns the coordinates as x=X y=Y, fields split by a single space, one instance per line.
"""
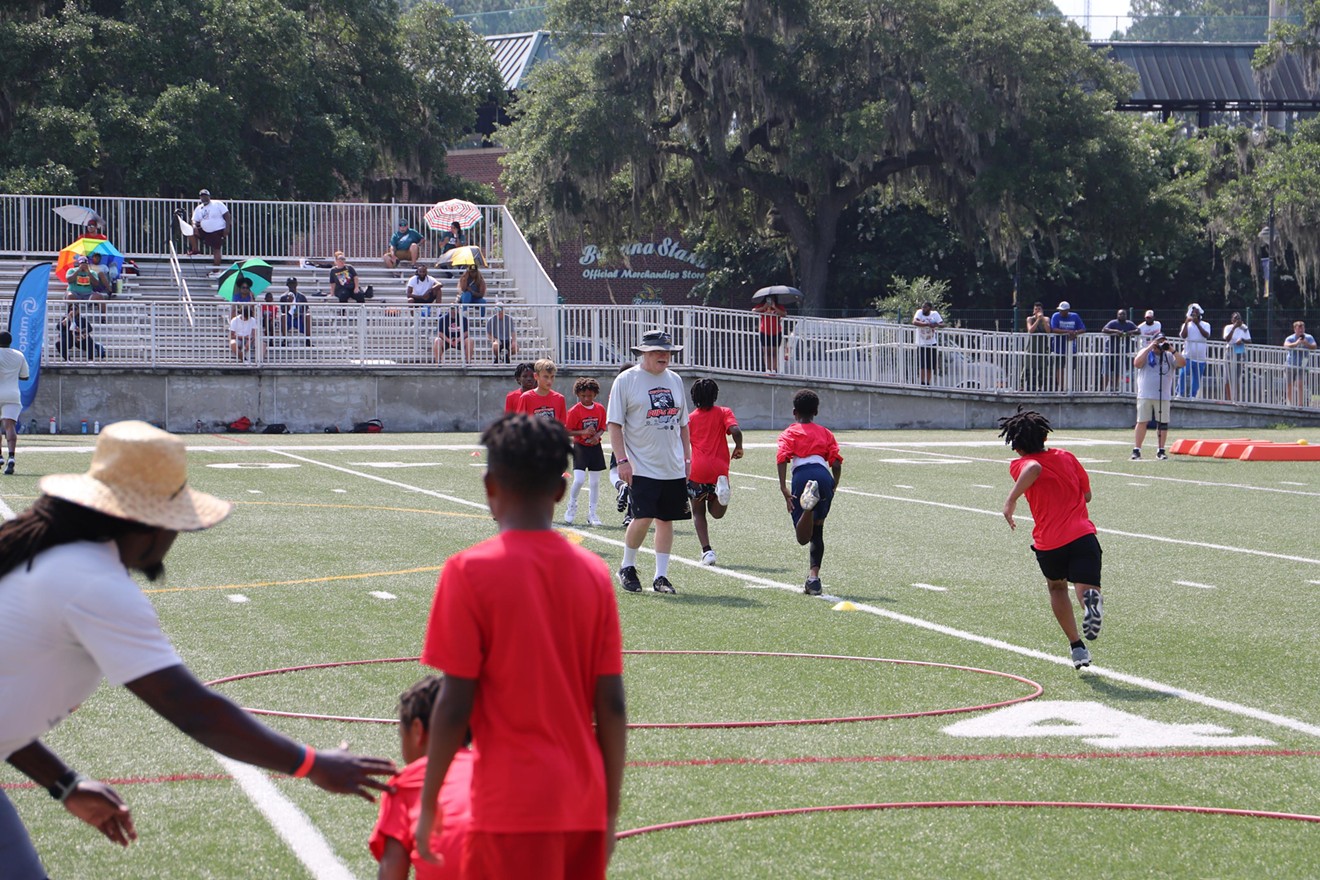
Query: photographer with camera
x=1156 y=365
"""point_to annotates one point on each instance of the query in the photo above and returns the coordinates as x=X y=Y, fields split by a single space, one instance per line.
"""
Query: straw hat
x=140 y=473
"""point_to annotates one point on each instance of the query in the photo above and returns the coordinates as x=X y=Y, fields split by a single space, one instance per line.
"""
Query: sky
x=1107 y=8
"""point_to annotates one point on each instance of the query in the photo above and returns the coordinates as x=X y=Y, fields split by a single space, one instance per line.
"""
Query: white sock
x=579 y=477
x=629 y=556
x=614 y=477
x=661 y=564
x=593 y=489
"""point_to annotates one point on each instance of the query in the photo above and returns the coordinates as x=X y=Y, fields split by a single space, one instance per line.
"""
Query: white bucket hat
x=140 y=473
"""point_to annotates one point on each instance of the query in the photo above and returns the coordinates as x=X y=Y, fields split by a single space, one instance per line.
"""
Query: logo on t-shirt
x=544 y=412
x=663 y=411
x=591 y=423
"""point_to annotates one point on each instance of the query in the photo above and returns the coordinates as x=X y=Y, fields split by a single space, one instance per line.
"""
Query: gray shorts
x=17 y=855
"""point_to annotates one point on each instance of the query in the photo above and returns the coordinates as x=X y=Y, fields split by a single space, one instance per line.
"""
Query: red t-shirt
x=398 y=816
x=710 y=451
x=546 y=406
x=512 y=399
x=770 y=315
x=1057 y=498
x=533 y=619
x=581 y=417
x=800 y=440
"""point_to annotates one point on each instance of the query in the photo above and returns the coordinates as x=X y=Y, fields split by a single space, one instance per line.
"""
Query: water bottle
x=97 y=428
x=84 y=426
x=52 y=424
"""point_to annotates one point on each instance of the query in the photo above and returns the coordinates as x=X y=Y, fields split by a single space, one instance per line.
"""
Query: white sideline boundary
x=289 y=822
x=765 y=583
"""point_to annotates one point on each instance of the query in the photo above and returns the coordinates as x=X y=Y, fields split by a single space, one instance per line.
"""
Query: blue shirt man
x=1065 y=325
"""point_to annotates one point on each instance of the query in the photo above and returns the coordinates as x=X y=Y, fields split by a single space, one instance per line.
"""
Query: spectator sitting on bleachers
x=405 y=245
x=242 y=294
x=453 y=334
x=81 y=282
x=76 y=336
x=243 y=329
x=271 y=325
x=103 y=275
x=500 y=332
x=296 y=317
x=422 y=288
x=453 y=238
x=344 y=281
x=94 y=230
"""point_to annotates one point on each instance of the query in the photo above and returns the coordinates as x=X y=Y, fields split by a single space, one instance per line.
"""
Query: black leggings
x=817 y=552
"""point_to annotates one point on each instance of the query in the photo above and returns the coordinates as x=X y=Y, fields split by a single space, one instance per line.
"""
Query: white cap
x=1065 y=306
x=1150 y=313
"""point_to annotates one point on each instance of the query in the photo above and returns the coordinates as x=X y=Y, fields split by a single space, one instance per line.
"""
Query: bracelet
x=66 y=785
x=618 y=461
x=309 y=758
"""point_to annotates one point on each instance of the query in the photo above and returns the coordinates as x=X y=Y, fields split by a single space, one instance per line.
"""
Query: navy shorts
x=1077 y=561
x=665 y=500
x=588 y=458
x=824 y=485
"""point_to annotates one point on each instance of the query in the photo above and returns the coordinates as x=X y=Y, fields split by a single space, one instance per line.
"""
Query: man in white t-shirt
x=647 y=418
x=243 y=329
x=210 y=222
x=927 y=321
x=70 y=615
x=1196 y=350
x=13 y=369
x=1155 y=367
x=1149 y=328
x=422 y=288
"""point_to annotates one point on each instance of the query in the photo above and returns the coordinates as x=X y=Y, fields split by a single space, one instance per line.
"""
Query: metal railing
x=600 y=338
x=29 y=227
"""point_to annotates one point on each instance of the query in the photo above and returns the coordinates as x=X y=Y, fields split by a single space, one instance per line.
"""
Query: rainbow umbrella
x=259 y=272
x=443 y=214
x=85 y=247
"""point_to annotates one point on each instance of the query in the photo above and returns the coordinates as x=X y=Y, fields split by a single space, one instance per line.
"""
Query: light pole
x=1267 y=267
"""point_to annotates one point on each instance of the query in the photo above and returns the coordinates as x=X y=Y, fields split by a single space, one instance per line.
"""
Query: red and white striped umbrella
x=443 y=214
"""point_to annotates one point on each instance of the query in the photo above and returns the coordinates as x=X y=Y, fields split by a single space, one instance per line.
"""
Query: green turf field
x=1204 y=691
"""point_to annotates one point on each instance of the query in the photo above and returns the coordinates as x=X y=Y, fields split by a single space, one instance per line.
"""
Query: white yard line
x=766 y=583
x=289 y=822
x=931 y=587
x=1195 y=584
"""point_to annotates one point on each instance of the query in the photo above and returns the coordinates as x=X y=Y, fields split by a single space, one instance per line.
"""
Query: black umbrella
x=780 y=291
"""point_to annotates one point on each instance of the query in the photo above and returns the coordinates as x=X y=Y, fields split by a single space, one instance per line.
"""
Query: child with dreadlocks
x=526 y=629
x=708 y=480
x=586 y=425
x=812 y=454
x=391 y=840
x=1057 y=489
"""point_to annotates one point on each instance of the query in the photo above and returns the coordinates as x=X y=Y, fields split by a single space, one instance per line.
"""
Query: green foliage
x=255 y=98
x=906 y=295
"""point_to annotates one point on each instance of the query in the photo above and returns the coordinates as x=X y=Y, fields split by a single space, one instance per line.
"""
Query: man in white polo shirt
x=210 y=222
x=13 y=369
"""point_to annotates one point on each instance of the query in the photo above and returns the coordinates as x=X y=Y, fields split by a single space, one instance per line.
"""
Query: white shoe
x=722 y=490
x=708 y=558
x=593 y=520
x=810 y=495
x=570 y=514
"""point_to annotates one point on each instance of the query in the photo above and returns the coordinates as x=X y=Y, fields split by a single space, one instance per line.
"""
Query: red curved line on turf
x=919 y=805
x=1005 y=756
x=683 y=725
x=137 y=780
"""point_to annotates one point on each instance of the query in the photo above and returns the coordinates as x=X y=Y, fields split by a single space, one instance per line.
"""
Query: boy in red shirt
x=812 y=453
x=544 y=401
x=526 y=629
x=586 y=425
x=392 y=839
x=1057 y=489
x=525 y=376
x=708 y=480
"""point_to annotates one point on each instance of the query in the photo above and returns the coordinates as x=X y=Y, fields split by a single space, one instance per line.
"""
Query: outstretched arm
x=217 y=723
x=1028 y=476
x=94 y=802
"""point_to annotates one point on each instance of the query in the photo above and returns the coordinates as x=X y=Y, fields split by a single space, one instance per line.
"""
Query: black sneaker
x=1093 y=611
x=9 y=467
x=661 y=585
x=627 y=519
x=1136 y=455
x=628 y=579
x=813 y=587
x=1162 y=455
x=625 y=495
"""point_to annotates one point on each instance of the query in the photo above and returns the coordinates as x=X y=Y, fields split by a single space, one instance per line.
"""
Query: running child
x=708 y=481
x=1057 y=489
x=812 y=454
x=586 y=425
x=525 y=375
x=544 y=401
x=391 y=840
x=525 y=627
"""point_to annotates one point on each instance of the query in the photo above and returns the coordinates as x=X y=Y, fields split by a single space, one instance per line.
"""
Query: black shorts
x=926 y=357
x=771 y=340
x=588 y=458
x=665 y=500
x=1077 y=561
x=696 y=490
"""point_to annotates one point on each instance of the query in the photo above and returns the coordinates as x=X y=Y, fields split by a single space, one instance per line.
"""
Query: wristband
x=620 y=461
x=66 y=785
x=309 y=758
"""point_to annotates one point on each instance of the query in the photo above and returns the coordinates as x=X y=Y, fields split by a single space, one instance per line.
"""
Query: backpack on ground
x=240 y=425
x=373 y=426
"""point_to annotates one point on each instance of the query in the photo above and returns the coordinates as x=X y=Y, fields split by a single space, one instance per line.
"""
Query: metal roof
x=1211 y=76
x=515 y=54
